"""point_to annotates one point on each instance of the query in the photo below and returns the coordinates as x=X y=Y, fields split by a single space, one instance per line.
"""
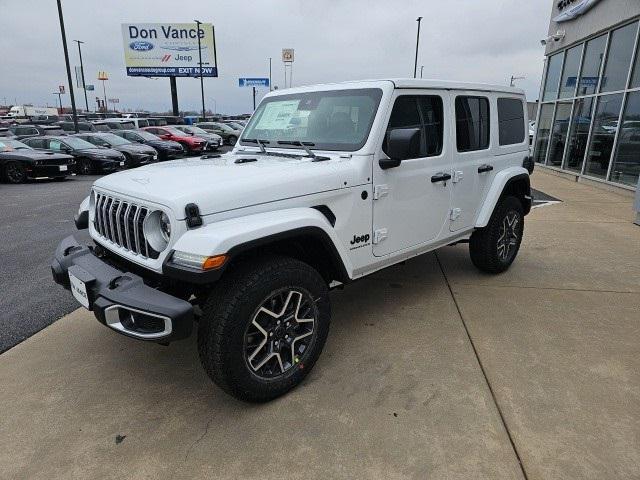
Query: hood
x=220 y=184
x=34 y=155
x=102 y=152
x=135 y=148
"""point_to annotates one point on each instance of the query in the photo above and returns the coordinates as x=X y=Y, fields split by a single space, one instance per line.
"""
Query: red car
x=191 y=143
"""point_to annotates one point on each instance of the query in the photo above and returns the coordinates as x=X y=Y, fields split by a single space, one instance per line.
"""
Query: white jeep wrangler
x=327 y=184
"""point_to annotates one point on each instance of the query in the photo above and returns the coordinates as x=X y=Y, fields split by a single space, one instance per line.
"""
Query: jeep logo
x=360 y=239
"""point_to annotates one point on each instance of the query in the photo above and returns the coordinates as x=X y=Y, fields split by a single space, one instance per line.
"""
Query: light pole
x=512 y=82
x=421 y=69
x=204 y=116
x=269 y=73
x=84 y=85
x=415 y=65
x=59 y=99
x=66 y=61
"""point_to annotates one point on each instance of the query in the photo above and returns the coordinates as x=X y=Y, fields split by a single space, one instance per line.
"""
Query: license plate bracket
x=80 y=280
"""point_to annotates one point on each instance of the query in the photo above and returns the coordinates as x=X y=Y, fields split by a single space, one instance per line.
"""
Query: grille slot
x=121 y=223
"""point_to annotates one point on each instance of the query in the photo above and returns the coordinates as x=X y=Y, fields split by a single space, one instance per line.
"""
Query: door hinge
x=457 y=176
x=380 y=191
x=379 y=235
x=455 y=213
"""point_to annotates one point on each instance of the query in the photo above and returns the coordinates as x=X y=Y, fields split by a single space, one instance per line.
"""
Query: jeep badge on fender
x=269 y=227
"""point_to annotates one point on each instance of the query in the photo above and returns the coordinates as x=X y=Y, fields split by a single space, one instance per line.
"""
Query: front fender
x=231 y=236
x=500 y=181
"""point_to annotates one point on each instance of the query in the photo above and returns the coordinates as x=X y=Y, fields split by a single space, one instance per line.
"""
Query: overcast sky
x=470 y=40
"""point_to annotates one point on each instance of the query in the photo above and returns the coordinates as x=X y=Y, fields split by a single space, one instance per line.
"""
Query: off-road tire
x=14 y=172
x=228 y=313
x=484 y=242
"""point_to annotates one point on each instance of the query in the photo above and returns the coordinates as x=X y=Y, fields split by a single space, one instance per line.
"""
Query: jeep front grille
x=120 y=222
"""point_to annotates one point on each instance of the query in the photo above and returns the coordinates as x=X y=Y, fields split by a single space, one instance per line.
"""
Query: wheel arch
x=513 y=181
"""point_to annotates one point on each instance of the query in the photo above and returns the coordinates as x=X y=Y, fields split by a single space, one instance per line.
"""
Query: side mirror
x=402 y=144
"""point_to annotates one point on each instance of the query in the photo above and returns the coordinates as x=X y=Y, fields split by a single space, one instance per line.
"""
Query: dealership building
x=588 y=120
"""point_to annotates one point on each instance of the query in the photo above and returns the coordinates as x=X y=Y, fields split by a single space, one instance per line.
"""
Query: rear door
x=410 y=208
x=473 y=155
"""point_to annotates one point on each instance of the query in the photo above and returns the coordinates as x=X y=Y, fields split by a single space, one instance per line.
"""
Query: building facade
x=588 y=123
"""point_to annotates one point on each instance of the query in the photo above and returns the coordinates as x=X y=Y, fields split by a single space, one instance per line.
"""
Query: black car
x=24 y=131
x=167 y=149
x=135 y=153
x=89 y=158
x=70 y=127
x=19 y=162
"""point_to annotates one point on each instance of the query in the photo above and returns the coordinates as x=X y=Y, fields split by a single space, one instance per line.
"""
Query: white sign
x=287 y=55
x=570 y=9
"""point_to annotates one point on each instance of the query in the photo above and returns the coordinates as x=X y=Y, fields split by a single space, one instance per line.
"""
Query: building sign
x=253 y=82
x=103 y=76
x=168 y=49
x=287 y=55
x=570 y=9
x=90 y=87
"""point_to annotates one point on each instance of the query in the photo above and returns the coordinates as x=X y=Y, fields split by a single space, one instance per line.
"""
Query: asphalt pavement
x=34 y=217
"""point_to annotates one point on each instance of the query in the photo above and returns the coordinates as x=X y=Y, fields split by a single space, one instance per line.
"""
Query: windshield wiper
x=261 y=143
x=305 y=146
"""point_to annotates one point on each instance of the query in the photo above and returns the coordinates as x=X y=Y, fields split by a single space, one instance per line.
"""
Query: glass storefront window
x=604 y=131
x=593 y=56
x=553 y=77
x=618 y=61
x=578 y=134
x=635 y=79
x=542 y=135
x=570 y=72
x=626 y=163
x=559 y=134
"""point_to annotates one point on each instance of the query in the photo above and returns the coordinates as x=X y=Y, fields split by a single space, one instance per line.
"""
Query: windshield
x=113 y=139
x=146 y=135
x=196 y=130
x=331 y=120
x=78 y=143
x=10 y=145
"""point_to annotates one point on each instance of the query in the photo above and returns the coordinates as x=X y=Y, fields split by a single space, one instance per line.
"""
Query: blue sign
x=253 y=82
x=171 y=71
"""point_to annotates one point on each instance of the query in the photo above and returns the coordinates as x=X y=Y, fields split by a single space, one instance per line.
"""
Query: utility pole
x=415 y=65
x=84 y=85
x=66 y=60
x=204 y=116
x=254 y=99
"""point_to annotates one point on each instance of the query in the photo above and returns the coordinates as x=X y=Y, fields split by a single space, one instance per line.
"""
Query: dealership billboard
x=169 y=49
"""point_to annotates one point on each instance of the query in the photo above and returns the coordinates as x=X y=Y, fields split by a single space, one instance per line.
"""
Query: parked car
x=116 y=123
x=391 y=169
x=23 y=131
x=237 y=124
x=191 y=143
x=6 y=133
x=19 y=162
x=229 y=134
x=157 y=122
x=214 y=141
x=82 y=126
x=167 y=149
x=135 y=153
x=89 y=158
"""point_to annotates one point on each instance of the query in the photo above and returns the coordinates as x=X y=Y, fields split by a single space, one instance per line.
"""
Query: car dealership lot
x=399 y=391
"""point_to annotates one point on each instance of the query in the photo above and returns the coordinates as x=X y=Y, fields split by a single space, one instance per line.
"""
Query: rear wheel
x=232 y=140
x=14 y=172
x=85 y=167
x=494 y=247
x=264 y=327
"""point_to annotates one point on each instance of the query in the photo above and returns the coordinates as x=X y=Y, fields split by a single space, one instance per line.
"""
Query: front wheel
x=264 y=327
x=15 y=172
x=494 y=247
x=85 y=167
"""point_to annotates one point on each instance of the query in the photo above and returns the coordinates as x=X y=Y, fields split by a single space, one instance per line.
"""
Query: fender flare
x=500 y=182
x=237 y=235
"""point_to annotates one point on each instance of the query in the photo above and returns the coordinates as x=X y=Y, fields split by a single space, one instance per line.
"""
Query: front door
x=411 y=206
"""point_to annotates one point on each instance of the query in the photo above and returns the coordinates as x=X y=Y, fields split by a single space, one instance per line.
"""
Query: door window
x=510 y=121
x=55 y=145
x=423 y=112
x=605 y=126
x=472 y=123
x=559 y=134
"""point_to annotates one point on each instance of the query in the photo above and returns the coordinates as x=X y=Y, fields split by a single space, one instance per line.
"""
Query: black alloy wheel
x=15 y=172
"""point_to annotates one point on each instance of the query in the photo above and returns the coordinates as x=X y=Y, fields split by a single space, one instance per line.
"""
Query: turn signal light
x=214 y=262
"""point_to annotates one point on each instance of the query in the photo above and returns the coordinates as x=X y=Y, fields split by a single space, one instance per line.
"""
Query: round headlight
x=165 y=226
x=157 y=230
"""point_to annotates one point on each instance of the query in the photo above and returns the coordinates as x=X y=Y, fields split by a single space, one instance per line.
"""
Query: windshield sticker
x=276 y=115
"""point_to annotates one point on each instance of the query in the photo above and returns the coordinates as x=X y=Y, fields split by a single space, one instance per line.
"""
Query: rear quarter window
x=510 y=121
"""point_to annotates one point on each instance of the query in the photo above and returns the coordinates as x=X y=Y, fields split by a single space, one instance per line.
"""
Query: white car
x=326 y=185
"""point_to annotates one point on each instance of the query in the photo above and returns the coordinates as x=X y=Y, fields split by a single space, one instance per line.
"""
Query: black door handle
x=485 y=168
x=440 y=177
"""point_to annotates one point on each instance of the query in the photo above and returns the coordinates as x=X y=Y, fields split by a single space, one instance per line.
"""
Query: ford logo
x=141 y=46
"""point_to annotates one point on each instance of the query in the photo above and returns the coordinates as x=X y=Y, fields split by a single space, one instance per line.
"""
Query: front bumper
x=121 y=300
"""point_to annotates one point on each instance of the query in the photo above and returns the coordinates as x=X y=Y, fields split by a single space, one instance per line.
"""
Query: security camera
x=556 y=37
